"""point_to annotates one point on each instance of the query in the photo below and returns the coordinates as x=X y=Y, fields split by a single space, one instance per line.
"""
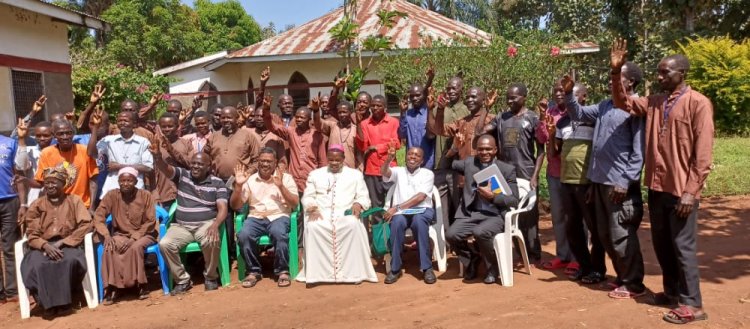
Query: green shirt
x=576 y=150
x=443 y=144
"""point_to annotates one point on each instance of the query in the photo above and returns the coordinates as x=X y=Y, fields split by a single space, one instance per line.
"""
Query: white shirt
x=131 y=151
x=409 y=184
x=335 y=193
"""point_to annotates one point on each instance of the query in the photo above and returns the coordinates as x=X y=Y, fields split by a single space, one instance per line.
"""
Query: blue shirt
x=413 y=128
x=8 y=148
x=618 y=145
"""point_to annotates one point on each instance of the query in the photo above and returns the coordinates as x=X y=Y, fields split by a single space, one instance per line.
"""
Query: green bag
x=381 y=232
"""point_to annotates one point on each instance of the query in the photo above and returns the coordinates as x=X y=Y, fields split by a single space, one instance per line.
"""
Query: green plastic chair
x=266 y=241
x=195 y=247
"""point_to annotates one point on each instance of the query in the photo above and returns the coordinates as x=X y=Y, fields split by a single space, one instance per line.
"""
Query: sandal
x=143 y=293
x=283 y=280
x=572 y=268
x=684 y=314
x=109 y=297
x=554 y=264
x=576 y=276
x=622 y=292
x=251 y=280
x=592 y=278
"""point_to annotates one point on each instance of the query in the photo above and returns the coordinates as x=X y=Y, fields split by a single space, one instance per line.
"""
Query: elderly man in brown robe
x=133 y=230
x=57 y=223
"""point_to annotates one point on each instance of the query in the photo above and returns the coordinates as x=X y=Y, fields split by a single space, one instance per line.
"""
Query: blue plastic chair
x=162 y=215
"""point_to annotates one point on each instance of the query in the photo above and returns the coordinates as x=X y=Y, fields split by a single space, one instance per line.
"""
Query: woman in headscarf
x=133 y=230
x=57 y=224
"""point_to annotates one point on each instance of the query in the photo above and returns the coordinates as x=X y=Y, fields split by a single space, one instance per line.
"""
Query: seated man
x=57 y=223
x=201 y=209
x=133 y=230
x=481 y=212
x=271 y=195
x=413 y=191
x=336 y=246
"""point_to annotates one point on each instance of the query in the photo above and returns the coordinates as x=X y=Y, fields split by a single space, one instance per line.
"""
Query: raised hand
x=392 y=148
x=97 y=93
x=265 y=74
x=430 y=74
x=618 y=54
x=314 y=104
x=38 y=105
x=70 y=116
x=458 y=140
x=491 y=98
x=403 y=105
x=567 y=84
x=96 y=118
x=241 y=174
x=22 y=129
x=549 y=123
x=431 y=98
x=340 y=82
x=442 y=100
x=541 y=108
x=197 y=102
x=278 y=177
x=155 y=98
x=184 y=114
x=267 y=103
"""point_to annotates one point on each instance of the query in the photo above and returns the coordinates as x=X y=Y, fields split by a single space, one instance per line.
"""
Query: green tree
x=150 y=34
x=226 y=25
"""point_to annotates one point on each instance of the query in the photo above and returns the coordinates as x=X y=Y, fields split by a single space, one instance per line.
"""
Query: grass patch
x=731 y=172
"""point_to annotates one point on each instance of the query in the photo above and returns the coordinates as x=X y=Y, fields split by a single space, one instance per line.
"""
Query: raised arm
x=146 y=110
x=618 y=57
x=277 y=129
x=578 y=112
x=93 y=147
x=261 y=94
x=159 y=163
x=96 y=96
x=385 y=169
x=430 y=74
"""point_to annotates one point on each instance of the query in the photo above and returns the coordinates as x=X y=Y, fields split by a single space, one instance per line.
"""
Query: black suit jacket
x=470 y=166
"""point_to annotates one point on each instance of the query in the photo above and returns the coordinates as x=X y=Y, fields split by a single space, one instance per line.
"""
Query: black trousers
x=617 y=226
x=450 y=194
x=528 y=224
x=675 y=246
x=578 y=212
x=483 y=227
x=377 y=190
x=9 y=234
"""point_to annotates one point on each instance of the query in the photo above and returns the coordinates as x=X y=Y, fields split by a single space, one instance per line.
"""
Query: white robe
x=336 y=247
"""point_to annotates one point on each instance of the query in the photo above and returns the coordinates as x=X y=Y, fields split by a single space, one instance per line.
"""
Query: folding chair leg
x=387 y=260
x=89 y=281
x=163 y=273
x=504 y=253
x=100 y=279
x=524 y=253
x=23 y=295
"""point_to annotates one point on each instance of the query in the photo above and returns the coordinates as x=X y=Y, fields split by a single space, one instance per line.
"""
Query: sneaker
x=392 y=277
x=429 y=276
x=182 y=288
x=211 y=285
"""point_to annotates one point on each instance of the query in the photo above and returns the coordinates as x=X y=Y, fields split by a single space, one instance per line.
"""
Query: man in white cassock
x=336 y=245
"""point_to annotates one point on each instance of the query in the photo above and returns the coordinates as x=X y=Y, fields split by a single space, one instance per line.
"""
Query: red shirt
x=553 y=166
x=378 y=134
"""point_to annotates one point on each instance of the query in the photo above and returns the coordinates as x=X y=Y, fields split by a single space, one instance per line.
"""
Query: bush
x=719 y=69
x=122 y=82
x=536 y=62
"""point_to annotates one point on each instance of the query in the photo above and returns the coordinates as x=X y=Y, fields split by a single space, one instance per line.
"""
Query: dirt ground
x=541 y=300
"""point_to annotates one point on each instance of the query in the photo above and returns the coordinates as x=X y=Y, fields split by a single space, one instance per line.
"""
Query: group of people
x=334 y=160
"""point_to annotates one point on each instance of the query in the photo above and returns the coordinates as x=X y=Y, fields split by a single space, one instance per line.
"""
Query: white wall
x=7 y=115
x=30 y=35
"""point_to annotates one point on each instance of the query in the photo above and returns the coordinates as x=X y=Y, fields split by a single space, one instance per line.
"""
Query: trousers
x=9 y=234
x=483 y=227
x=580 y=216
x=420 y=227
x=178 y=236
x=277 y=230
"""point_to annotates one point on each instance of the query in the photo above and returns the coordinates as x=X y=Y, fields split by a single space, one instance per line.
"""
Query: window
x=299 y=90
x=392 y=106
x=250 y=92
x=211 y=99
x=27 y=87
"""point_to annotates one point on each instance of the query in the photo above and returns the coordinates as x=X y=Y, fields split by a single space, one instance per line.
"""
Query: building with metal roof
x=305 y=59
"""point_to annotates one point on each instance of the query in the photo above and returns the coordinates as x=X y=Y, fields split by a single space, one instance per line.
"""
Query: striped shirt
x=196 y=201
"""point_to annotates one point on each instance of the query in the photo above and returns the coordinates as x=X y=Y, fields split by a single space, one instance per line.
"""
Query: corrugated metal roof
x=411 y=32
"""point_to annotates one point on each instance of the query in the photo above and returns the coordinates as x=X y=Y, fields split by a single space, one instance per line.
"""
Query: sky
x=285 y=12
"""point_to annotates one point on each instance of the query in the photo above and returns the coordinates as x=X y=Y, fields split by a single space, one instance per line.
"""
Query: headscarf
x=128 y=170
x=59 y=172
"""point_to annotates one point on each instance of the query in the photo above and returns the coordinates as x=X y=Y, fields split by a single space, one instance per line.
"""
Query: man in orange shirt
x=65 y=154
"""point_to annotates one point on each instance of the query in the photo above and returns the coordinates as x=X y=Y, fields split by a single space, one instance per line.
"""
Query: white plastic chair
x=436 y=231
x=504 y=241
x=89 y=280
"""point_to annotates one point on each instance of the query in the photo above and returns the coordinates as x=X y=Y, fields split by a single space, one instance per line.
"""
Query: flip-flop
x=683 y=315
x=554 y=264
x=283 y=280
x=623 y=293
x=592 y=278
x=250 y=280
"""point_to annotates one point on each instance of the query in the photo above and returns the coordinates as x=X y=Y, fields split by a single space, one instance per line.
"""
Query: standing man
x=10 y=200
x=269 y=139
x=286 y=107
x=454 y=109
x=413 y=191
x=413 y=121
x=176 y=152
x=515 y=131
x=202 y=133
x=373 y=136
x=27 y=157
x=615 y=172
x=125 y=149
x=482 y=212
x=339 y=131
x=679 y=140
